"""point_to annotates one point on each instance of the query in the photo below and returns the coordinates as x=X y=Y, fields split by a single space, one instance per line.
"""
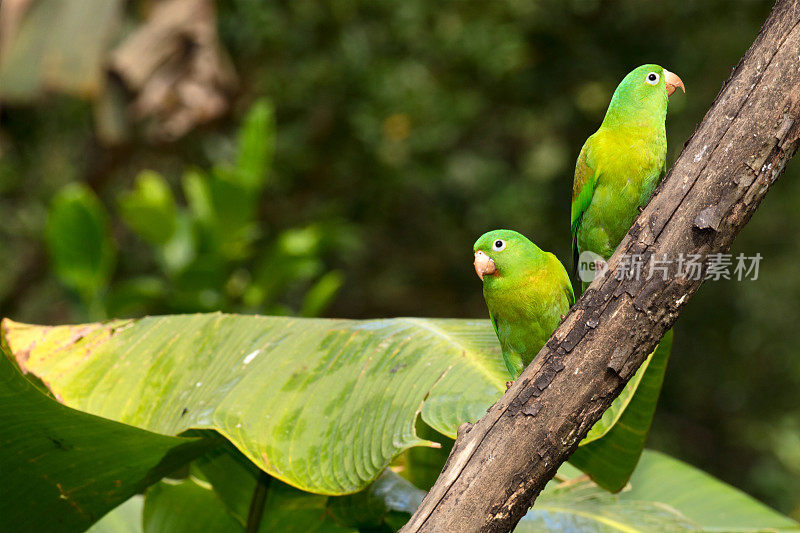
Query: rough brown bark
x=499 y=465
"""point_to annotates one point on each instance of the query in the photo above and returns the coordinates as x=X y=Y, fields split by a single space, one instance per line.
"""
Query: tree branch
x=498 y=466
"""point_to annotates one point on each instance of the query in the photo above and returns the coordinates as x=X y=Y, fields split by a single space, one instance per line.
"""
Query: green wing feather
x=570 y=293
x=494 y=324
x=582 y=193
x=513 y=360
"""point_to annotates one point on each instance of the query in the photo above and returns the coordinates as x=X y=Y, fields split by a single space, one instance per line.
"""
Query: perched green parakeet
x=527 y=291
x=622 y=162
x=617 y=171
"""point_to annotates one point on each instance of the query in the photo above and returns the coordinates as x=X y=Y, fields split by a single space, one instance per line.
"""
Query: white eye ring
x=652 y=78
x=499 y=245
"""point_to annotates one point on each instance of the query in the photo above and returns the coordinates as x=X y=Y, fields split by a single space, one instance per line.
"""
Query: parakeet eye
x=652 y=78
x=499 y=245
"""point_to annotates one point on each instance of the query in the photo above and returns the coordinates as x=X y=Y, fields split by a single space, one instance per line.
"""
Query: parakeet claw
x=508 y=384
x=562 y=318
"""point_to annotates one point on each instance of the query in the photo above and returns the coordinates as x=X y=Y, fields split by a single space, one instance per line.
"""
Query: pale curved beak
x=672 y=82
x=484 y=264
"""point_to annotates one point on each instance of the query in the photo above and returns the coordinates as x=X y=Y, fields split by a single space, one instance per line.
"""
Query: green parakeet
x=617 y=171
x=527 y=291
x=622 y=162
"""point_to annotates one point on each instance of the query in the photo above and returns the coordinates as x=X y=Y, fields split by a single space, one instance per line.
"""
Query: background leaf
x=390 y=493
x=125 y=518
x=422 y=465
x=665 y=495
x=79 y=240
x=256 y=145
x=186 y=506
x=149 y=209
x=232 y=476
x=585 y=507
x=711 y=503
x=63 y=469
x=288 y=510
x=321 y=294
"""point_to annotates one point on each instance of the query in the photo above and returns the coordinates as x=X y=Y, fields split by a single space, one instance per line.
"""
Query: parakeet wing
x=570 y=294
x=494 y=324
x=582 y=192
x=512 y=360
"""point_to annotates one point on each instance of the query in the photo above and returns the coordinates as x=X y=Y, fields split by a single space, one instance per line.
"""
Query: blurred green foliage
x=81 y=250
x=404 y=131
x=210 y=254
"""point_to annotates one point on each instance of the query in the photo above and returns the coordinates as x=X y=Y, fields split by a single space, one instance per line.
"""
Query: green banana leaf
x=422 y=465
x=126 y=518
x=664 y=495
x=232 y=476
x=585 y=507
x=323 y=405
x=222 y=483
x=370 y=508
x=184 y=506
x=233 y=479
x=702 y=498
x=63 y=469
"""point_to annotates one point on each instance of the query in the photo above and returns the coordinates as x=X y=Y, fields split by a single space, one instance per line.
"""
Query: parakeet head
x=642 y=95
x=504 y=253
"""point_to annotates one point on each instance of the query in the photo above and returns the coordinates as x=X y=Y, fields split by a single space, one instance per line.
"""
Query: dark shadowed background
x=402 y=132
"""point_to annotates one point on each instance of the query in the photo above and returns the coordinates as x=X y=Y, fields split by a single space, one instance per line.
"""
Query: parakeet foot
x=508 y=384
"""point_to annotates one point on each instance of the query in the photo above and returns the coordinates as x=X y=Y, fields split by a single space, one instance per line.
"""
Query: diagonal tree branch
x=498 y=466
